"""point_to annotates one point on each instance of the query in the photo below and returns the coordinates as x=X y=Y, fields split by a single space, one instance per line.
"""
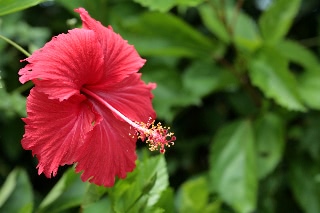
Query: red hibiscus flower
x=89 y=104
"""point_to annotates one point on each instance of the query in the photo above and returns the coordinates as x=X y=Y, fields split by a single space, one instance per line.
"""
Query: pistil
x=157 y=136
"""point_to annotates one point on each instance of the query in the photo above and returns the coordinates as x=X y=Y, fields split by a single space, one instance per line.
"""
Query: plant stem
x=23 y=87
x=17 y=46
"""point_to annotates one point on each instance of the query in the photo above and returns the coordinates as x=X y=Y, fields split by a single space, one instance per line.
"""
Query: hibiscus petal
x=132 y=97
x=109 y=150
x=121 y=59
x=55 y=130
x=65 y=64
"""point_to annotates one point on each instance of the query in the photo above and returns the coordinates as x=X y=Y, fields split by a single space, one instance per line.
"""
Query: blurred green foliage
x=238 y=81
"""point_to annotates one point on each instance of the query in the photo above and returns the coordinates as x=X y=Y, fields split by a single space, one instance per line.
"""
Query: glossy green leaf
x=246 y=35
x=211 y=20
x=308 y=80
x=239 y=28
x=166 y=201
x=193 y=196
x=8 y=187
x=142 y=188
x=203 y=77
x=155 y=210
x=166 y=5
x=269 y=72
x=16 y=195
x=169 y=93
x=309 y=89
x=93 y=194
x=304 y=181
x=213 y=207
x=10 y=6
x=162 y=6
x=191 y=3
x=101 y=205
x=233 y=172
x=277 y=20
x=270 y=143
x=299 y=54
x=158 y=34
x=67 y=193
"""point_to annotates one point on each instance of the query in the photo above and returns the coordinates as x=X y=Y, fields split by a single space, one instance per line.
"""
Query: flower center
x=156 y=136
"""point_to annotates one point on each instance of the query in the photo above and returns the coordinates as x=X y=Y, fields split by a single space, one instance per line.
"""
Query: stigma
x=157 y=136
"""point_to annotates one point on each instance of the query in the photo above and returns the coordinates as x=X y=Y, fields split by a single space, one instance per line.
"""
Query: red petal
x=55 y=130
x=65 y=64
x=121 y=59
x=108 y=152
x=132 y=97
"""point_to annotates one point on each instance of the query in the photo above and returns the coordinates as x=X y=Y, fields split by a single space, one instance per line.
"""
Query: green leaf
x=166 y=201
x=102 y=205
x=246 y=35
x=242 y=30
x=15 y=31
x=18 y=104
x=233 y=172
x=308 y=82
x=162 y=6
x=166 y=5
x=67 y=193
x=158 y=34
x=142 y=188
x=193 y=195
x=8 y=187
x=270 y=142
x=93 y=194
x=12 y=103
x=277 y=20
x=213 y=207
x=297 y=53
x=309 y=89
x=16 y=194
x=212 y=21
x=304 y=181
x=10 y=6
x=269 y=72
x=170 y=93
x=191 y=3
x=203 y=77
